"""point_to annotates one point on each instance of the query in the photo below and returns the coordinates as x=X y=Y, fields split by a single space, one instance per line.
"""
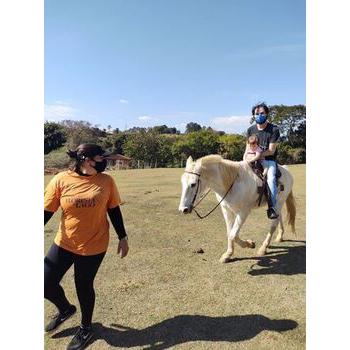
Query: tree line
x=163 y=146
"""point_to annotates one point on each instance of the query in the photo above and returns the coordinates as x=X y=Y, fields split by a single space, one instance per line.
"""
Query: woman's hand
x=123 y=247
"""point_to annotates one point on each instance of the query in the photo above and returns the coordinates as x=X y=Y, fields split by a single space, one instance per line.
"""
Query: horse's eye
x=192 y=185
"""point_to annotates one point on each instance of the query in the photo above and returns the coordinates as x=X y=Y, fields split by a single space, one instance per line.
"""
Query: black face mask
x=101 y=166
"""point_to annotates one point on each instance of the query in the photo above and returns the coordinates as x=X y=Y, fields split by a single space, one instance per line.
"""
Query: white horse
x=220 y=174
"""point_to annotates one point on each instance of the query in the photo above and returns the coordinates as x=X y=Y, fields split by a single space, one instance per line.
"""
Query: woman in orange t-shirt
x=85 y=196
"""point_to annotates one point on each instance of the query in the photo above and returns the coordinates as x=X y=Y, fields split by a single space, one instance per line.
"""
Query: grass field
x=165 y=295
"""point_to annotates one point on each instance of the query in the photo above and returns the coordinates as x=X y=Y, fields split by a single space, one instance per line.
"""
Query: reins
x=195 y=196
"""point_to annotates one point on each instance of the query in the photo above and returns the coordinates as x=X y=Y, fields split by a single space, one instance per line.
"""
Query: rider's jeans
x=271 y=178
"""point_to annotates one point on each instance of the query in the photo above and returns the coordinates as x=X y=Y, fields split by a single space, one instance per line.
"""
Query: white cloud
x=60 y=110
x=232 y=124
x=124 y=101
x=181 y=127
x=146 y=118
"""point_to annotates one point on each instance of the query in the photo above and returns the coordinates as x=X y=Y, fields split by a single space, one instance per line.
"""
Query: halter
x=195 y=196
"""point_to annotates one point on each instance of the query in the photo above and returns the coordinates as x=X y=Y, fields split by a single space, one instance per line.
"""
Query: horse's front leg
x=229 y=219
x=232 y=236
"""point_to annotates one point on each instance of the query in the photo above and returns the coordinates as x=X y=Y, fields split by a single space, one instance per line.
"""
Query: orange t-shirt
x=84 y=200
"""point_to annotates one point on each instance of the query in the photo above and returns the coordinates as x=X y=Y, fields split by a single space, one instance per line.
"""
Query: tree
x=114 y=142
x=165 y=156
x=191 y=127
x=79 y=132
x=54 y=136
x=298 y=137
x=174 y=131
x=284 y=154
x=197 y=144
x=98 y=132
x=180 y=150
x=299 y=156
x=232 y=147
x=142 y=146
x=163 y=129
x=291 y=121
x=136 y=129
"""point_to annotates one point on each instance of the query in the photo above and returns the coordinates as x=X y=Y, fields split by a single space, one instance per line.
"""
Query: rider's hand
x=123 y=247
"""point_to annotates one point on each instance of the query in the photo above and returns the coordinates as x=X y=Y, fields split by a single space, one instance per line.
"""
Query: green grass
x=164 y=295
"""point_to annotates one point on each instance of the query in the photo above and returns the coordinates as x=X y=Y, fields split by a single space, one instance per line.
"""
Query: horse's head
x=192 y=186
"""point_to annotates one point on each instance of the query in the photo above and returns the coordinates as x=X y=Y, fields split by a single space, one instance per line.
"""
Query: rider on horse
x=268 y=137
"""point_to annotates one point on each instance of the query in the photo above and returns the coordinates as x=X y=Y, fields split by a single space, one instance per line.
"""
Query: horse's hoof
x=279 y=239
x=225 y=259
x=252 y=244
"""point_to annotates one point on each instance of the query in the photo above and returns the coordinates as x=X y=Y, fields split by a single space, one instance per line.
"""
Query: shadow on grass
x=281 y=260
x=186 y=328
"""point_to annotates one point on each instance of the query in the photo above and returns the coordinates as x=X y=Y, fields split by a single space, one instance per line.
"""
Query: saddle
x=264 y=189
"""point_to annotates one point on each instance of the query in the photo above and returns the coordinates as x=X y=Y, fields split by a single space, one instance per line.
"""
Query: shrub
x=57 y=159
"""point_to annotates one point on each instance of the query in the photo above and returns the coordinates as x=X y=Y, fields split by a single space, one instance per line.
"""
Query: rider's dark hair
x=85 y=150
x=262 y=105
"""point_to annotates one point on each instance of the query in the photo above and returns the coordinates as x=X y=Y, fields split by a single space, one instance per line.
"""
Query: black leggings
x=57 y=262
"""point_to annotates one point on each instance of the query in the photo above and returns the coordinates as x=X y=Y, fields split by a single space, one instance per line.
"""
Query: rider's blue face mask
x=260 y=118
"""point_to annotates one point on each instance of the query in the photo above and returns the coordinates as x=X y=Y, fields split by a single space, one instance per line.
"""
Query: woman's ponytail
x=72 y=154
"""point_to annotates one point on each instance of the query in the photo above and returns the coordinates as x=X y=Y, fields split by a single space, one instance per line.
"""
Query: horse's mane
x=211 y=158
x=229 y=169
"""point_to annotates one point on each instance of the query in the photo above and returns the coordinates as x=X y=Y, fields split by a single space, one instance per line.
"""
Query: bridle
x=195 y=196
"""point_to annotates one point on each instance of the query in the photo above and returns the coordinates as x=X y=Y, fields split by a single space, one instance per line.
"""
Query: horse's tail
x=290 y=202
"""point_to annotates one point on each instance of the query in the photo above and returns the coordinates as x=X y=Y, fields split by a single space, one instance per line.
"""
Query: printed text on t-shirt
x=82 y=202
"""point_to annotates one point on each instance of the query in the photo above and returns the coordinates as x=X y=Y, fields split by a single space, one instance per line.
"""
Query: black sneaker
x=80 y=339
x=60 y=318
x=272 y=213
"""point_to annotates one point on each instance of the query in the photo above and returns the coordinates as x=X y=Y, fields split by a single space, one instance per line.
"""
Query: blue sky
x=130 y=63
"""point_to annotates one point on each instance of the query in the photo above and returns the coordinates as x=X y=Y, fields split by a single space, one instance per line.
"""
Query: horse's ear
x=189 y=161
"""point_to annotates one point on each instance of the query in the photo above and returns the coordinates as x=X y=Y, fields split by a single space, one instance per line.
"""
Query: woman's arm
x=47 y=216
x=116 y=218
x=117 y=221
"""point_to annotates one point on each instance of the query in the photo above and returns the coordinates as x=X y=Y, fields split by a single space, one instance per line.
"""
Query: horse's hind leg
x=273 y=225
x=279 y=237
x=279 y=206
x=263 y=248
